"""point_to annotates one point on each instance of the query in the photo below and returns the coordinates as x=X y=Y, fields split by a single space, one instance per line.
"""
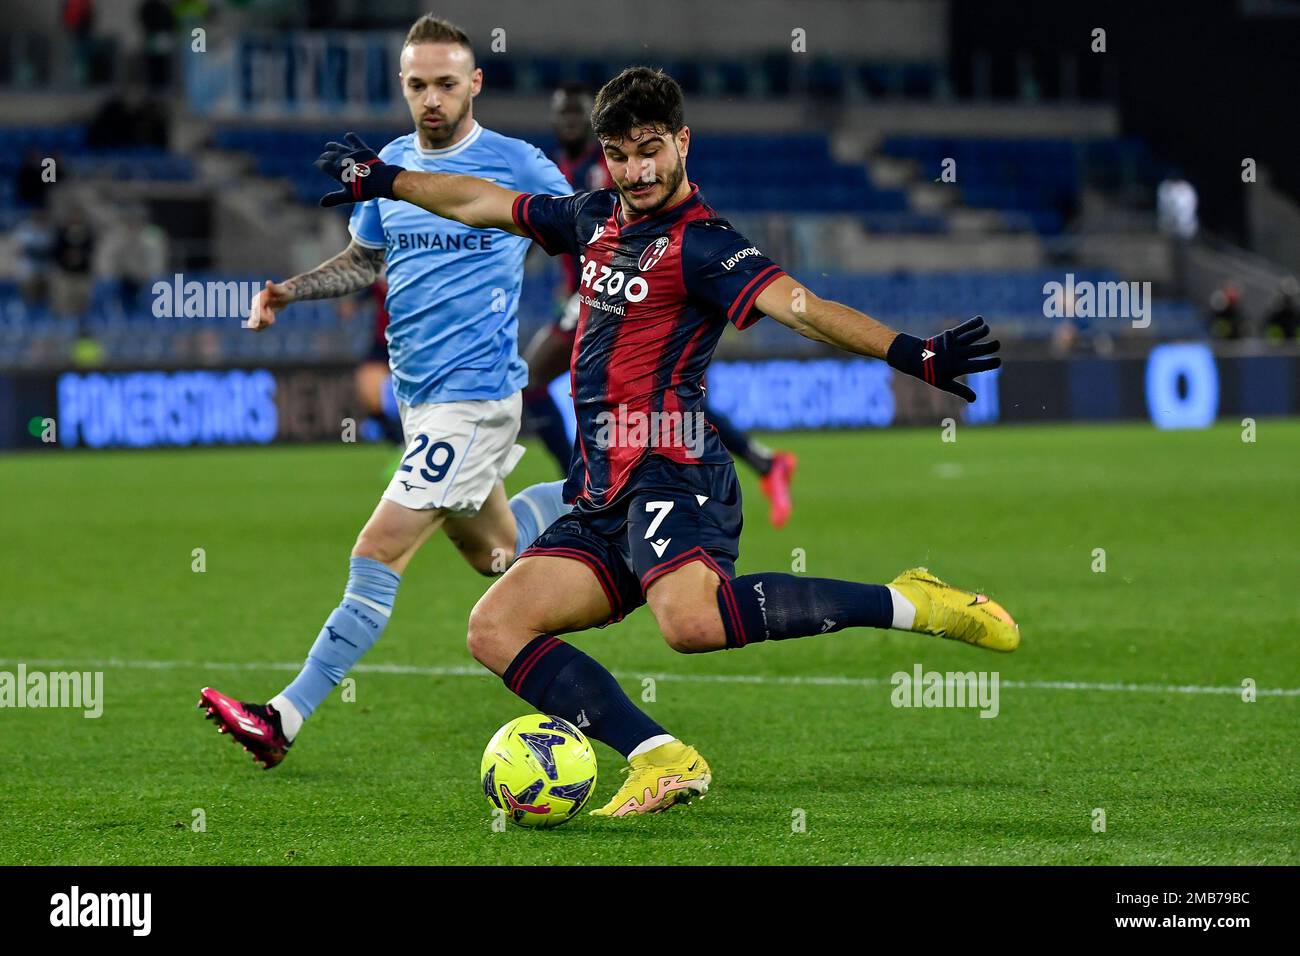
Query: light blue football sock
x=348 y=633
x=535 y=508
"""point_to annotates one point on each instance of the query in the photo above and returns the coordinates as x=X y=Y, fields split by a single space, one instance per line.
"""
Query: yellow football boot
x=949 y=612
x=670 y=773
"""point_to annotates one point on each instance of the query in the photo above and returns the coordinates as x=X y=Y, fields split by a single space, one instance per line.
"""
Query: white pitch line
x=109 y=663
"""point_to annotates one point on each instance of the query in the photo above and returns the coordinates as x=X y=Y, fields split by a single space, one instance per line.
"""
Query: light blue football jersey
x=453 y=291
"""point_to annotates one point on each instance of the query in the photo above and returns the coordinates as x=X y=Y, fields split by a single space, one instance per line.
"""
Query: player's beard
x=437 y=139
x=671 y=181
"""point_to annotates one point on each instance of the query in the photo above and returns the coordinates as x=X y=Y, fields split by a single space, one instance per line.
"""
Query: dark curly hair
x=639 y=96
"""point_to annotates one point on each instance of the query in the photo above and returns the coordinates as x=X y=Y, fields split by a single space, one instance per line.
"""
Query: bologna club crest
x=653 y=253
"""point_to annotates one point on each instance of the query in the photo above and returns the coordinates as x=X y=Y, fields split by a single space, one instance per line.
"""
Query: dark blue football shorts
x=667 y=516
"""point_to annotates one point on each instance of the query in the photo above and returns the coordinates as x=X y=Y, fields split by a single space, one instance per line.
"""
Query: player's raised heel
x=670 y=774
x=955 y=614
x=255 y=727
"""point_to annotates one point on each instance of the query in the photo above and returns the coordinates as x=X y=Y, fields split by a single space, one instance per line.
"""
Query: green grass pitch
x=1200 y=534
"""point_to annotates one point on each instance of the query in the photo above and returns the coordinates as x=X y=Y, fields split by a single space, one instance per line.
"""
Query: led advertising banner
x=178 y=408
x=1183 y=385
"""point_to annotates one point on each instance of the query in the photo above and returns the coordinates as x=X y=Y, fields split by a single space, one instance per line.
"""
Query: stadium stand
x=834 y=161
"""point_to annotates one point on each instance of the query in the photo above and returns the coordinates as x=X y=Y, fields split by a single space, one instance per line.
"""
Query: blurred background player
x=580 y=158
x=457 y=375
x=374 y=379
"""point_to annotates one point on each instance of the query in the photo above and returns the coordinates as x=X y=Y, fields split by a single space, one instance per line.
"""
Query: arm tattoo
x=350 y=271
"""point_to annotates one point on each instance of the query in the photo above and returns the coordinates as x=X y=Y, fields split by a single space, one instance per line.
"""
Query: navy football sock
x=771 y=606
x=560 y=680
x=737 y=441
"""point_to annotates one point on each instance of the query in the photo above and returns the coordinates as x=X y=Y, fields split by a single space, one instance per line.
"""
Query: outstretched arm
x=363 y=175
x=468 y=199
x=823 y=320
x=937 y=360
x=352 y=270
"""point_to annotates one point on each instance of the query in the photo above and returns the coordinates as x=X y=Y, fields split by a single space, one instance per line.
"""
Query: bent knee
x=693 y=632
x=484 y=636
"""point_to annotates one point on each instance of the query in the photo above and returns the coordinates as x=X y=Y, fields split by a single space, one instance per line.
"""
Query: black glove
x=940 y=359
x=358 y=167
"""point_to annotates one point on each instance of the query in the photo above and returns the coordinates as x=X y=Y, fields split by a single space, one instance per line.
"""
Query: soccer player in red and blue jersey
x=582 y=161
x=657 y=513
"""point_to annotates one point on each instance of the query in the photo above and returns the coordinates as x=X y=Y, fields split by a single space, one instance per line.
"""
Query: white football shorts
x=456 y=452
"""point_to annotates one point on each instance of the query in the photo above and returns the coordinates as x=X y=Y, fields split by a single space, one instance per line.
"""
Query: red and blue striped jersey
x=656 y=295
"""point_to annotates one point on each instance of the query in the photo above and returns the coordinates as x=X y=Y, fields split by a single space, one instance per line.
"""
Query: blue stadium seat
x=1039 y=179
x=738 y=173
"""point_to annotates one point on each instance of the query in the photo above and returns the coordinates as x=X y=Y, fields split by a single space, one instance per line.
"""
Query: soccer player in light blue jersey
x=453 y=293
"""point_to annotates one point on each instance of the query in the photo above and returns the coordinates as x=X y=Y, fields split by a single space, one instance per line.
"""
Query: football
x=538 y=770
